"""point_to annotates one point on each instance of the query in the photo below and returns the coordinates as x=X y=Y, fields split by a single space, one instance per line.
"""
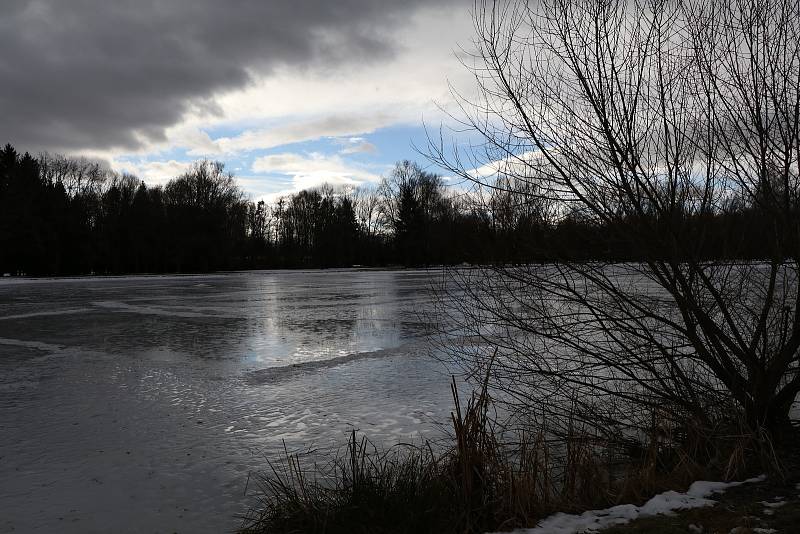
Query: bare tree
x=367 y=203
x=78 y=175
x=648 y=119
x=206 y=186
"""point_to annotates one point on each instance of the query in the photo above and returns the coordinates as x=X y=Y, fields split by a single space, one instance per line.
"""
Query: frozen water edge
x=697 y=496
x=140 y=404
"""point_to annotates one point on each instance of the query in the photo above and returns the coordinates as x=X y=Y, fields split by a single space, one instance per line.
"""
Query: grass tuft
x=488 y=480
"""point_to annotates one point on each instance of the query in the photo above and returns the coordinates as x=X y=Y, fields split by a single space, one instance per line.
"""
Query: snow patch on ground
x=664 y=503
x=769 y=507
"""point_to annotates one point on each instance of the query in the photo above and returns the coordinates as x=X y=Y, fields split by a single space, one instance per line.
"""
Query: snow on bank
x=664 y=503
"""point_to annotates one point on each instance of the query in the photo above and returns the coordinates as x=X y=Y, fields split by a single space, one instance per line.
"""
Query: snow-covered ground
x=697 y=496
x=141 y=404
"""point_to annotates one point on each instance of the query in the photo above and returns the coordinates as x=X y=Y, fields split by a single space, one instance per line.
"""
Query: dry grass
x=489 y=480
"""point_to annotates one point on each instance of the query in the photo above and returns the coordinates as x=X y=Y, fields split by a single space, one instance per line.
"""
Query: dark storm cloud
x=97 y=73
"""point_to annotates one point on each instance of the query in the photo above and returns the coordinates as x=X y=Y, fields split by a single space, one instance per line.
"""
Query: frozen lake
x=140 y=404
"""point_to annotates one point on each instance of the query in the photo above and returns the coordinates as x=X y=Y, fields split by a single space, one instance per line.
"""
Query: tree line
x=62 y=215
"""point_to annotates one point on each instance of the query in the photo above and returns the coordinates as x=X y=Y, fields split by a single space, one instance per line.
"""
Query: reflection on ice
x=147 y=400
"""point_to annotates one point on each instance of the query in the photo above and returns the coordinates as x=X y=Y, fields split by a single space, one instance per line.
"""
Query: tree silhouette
x=665 y=137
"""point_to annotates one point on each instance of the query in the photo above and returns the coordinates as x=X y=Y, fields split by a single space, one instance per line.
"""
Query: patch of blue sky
x=396 y=143
x=374 y=152
x=355 y=156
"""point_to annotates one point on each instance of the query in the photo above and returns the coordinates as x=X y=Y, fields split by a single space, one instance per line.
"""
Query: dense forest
x=61 y=215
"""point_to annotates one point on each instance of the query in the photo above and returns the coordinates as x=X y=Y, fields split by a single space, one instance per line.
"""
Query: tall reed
x=490 y=478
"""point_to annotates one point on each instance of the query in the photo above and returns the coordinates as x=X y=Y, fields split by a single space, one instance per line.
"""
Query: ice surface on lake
x=140 y=404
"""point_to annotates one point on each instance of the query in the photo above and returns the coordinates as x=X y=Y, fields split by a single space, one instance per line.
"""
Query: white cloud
x=192 y=137
x=313 y=170
x=518 y=165
x=359 y=146
x=293 y=131
x=153 y=172
x=289 y=105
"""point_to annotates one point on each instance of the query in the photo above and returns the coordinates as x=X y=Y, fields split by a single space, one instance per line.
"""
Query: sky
x=287 y=93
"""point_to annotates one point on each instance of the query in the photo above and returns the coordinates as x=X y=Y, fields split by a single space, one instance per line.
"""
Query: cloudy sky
x=288 y=93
